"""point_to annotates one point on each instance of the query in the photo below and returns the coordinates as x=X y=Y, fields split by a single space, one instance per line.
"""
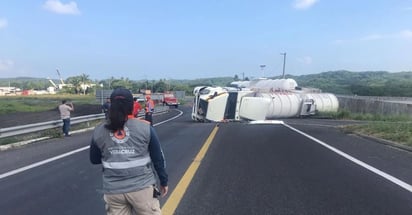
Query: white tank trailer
x=222 y=104
x=269 y=85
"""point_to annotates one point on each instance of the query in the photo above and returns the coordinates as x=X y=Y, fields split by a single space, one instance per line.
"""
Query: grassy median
x=395 y=128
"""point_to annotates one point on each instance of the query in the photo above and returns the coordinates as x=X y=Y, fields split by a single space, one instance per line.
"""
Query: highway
x=304 y=166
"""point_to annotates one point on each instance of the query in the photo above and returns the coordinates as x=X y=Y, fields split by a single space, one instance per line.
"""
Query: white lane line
x=397 y=181
x=180 y=114
x=266 y=122
x=13 y=172
x=22 y=169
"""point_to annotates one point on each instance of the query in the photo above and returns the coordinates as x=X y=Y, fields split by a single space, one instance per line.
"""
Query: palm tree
x=85 y=82
x=80 y=83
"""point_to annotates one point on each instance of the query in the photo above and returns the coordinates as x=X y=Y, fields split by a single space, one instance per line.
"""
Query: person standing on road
x=65 y=109
x=136 y=107
x=149 y=109
x=131 y=155
x=106 y=107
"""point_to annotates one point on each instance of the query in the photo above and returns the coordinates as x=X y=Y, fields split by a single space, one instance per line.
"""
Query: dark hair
x=121 y=106
x=63 y=101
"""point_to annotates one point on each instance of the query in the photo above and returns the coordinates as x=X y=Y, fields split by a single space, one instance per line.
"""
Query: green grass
x=11 y=104
x=347 y=115
x=396 y=128
x=399 y=132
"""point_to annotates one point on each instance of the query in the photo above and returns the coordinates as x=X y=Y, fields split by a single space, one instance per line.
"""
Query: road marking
x=174 y=199
x=13 y=172
x=391 y=178
x=266 y=122
x=22 y=169
x=180 y=114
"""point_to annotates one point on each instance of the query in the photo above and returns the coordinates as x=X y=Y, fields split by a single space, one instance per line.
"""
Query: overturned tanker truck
x=259 y=99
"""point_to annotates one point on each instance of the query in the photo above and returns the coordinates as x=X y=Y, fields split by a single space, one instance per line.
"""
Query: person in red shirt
x=136 y=107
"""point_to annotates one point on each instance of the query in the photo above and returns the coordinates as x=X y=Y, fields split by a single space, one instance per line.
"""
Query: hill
x=369 y=83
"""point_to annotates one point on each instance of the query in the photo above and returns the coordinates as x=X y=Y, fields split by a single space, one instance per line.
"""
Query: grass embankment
x=396 y=128
x=37 y=103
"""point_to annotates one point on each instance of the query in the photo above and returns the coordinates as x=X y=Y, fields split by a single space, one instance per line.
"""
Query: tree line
x=369 y=83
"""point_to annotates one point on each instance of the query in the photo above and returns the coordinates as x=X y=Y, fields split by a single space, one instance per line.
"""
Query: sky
x=190 y=39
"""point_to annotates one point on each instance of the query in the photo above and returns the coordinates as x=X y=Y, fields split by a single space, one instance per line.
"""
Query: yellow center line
x=171 y=204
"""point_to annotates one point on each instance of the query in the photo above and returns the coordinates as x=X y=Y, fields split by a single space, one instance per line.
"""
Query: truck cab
x=170 y=99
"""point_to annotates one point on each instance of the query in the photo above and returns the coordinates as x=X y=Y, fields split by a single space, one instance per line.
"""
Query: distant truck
x=170 y=99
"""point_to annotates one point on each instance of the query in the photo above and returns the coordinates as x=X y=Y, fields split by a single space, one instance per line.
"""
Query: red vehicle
x=170 y=99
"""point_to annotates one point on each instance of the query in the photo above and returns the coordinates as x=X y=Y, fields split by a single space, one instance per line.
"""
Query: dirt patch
x=23 y=118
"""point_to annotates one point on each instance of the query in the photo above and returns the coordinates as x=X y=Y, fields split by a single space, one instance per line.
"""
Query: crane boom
x=60 y=77
x=54 y=85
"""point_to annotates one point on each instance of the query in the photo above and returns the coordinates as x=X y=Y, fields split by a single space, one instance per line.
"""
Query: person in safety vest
x=129 y=150
x=149 y=109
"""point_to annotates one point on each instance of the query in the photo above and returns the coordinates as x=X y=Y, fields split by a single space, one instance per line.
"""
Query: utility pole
x=284 y=62
x=101 y=93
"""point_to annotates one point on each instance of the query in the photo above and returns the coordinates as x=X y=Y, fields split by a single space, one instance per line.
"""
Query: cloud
x=306 y=60
x=339 y=41
x=3 y=23
x=404 y=34
x=58 y=7
x=373 y=37
x=6 y=65
x=304 y=4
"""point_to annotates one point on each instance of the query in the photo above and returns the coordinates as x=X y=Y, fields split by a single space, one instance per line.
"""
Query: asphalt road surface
x=296 y=168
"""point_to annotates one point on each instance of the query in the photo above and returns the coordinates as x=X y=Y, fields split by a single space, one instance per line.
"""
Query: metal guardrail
x=24 y=129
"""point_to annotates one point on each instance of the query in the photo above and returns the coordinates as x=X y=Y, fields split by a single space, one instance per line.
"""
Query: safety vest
x=125 y=157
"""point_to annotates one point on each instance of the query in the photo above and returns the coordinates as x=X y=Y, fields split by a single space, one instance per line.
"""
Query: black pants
x=148 y=117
